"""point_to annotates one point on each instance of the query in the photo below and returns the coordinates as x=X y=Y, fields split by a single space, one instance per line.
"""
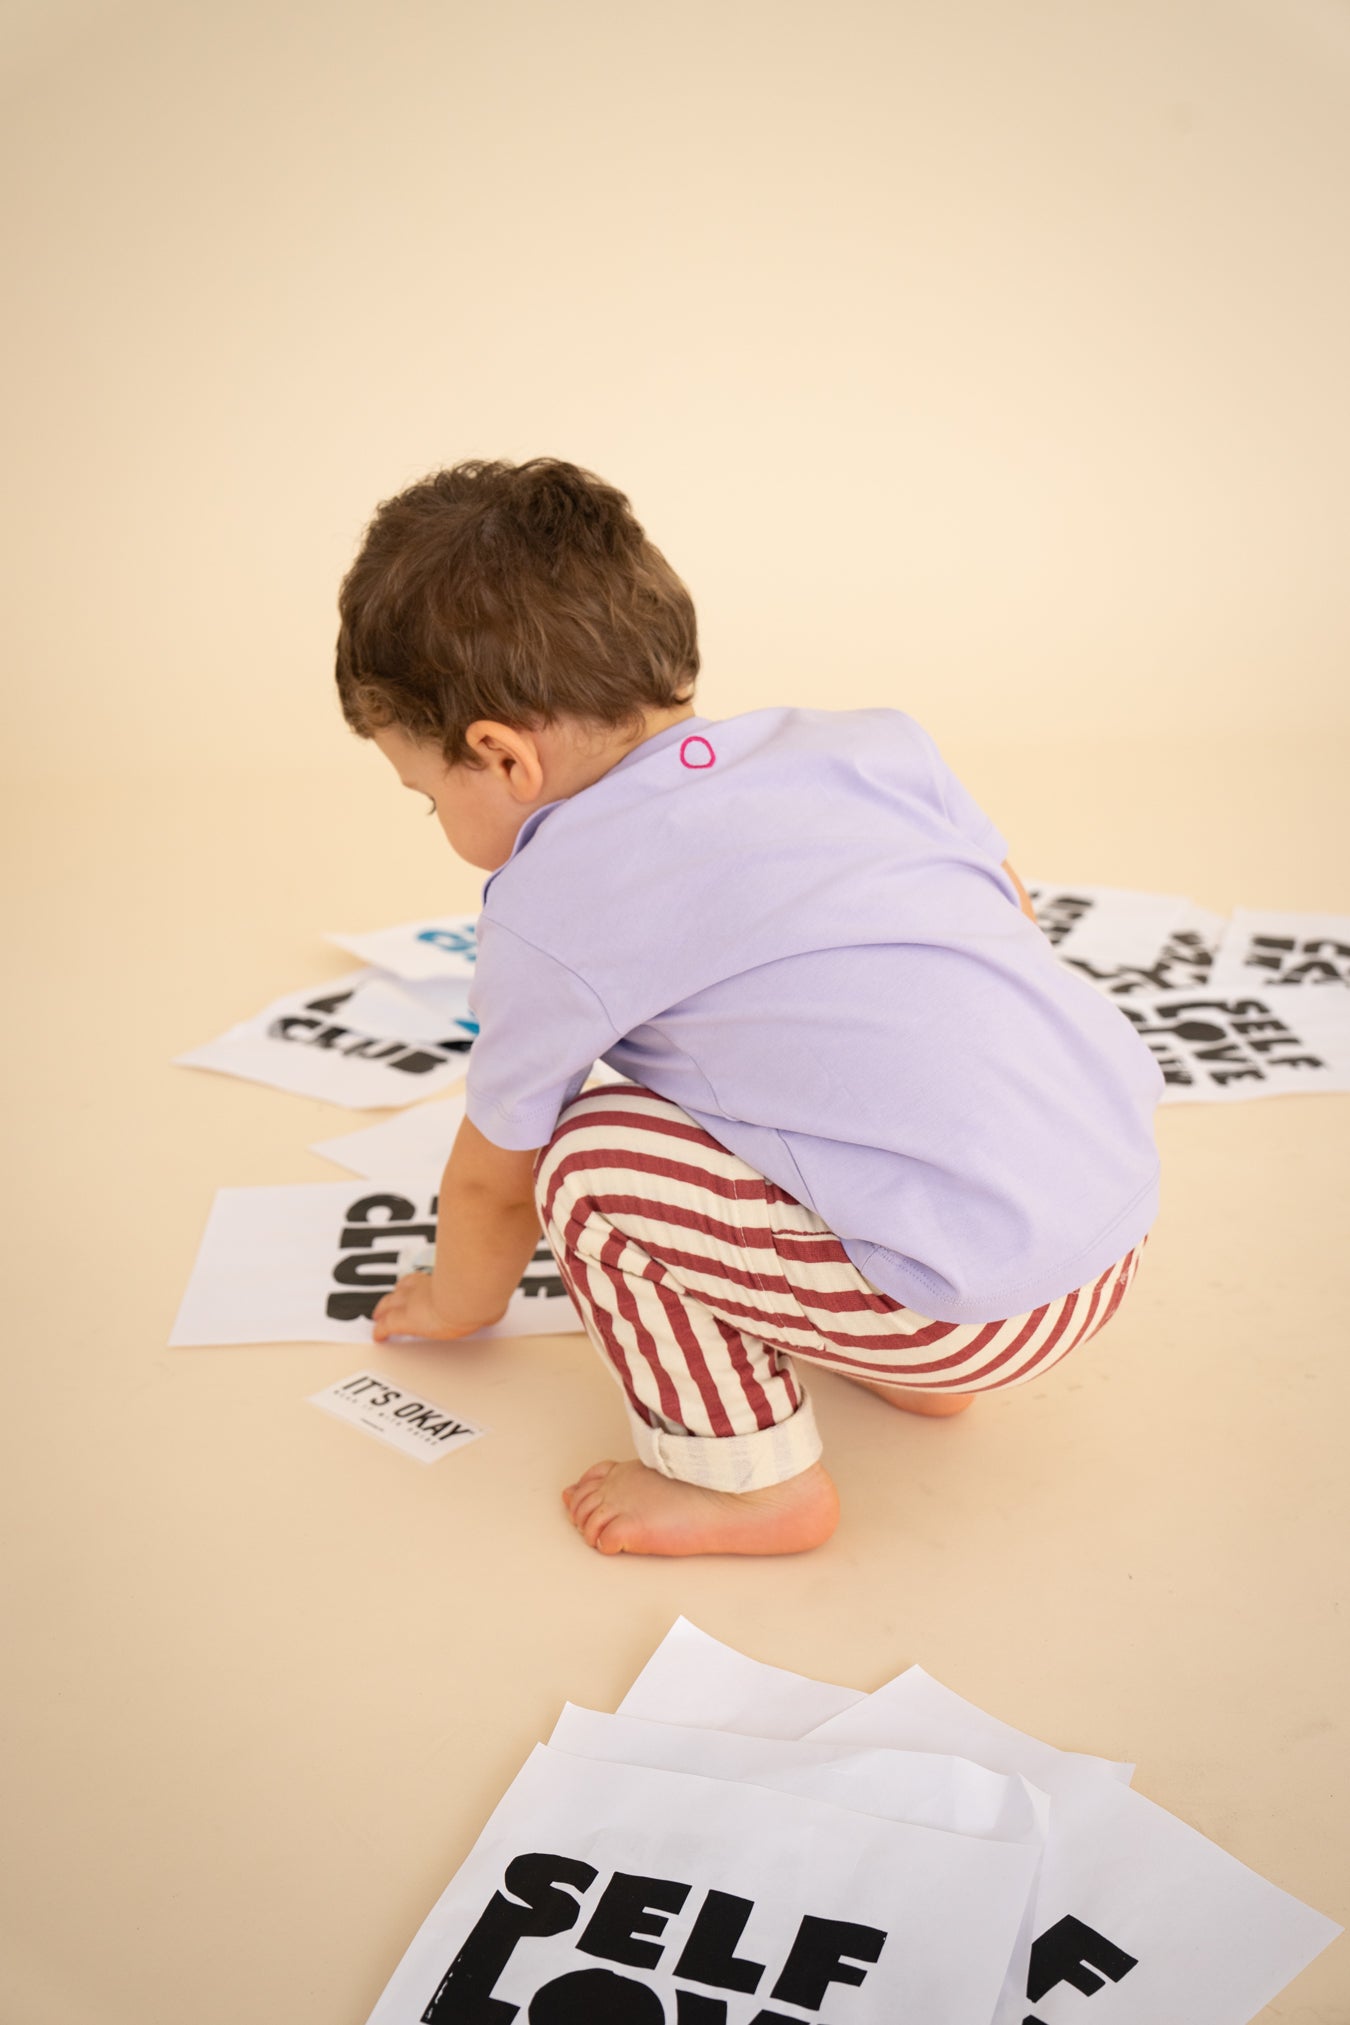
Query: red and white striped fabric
x=699 y=1281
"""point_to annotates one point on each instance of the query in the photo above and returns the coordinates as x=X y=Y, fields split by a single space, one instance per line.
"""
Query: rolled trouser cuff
x=732 y=1462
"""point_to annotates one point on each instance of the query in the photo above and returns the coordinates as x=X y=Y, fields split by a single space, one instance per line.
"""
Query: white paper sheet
x=310 y=1043
x=694 y=1679
x=1278 y=955
x=1111 y=924
x=924 y=1789
x=914 y=1712
x=929 y=1789
x=436 y=946
x=1133 y=1907
x=595 y=1885
x=417 y=1142
x=1229 y=1047
x=307 y=1265
x=410 y=1012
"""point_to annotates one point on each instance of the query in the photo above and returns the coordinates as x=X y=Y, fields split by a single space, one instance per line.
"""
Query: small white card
x=414 y=1426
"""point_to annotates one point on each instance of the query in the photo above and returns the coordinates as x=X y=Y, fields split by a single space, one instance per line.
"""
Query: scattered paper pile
x=742 y=1846
x=1257 y=1006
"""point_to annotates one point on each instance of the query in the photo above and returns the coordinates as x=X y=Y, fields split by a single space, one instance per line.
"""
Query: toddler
x=870 y=1122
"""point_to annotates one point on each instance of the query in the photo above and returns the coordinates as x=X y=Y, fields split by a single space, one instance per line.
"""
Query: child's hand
x=411 y=1311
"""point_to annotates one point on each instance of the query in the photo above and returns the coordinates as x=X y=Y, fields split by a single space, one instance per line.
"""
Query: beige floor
x=266 y=1678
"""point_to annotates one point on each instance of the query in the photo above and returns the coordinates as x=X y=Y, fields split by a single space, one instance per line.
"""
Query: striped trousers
x=699 y=1282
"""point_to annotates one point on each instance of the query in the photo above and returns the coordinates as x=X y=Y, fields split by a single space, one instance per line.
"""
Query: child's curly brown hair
x=523 y=593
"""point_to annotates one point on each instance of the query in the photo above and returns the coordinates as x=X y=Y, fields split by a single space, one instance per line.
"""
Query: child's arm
x=1022 y=895
x=486 y=1232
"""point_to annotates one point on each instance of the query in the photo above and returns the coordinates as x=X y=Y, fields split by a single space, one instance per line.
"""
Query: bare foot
x=625 y=1508
x=938 y=1405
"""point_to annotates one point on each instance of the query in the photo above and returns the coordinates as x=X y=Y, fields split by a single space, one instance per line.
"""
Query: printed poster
x=1132 y=1908
x=1110 y=924
x=1182 y=961
x=1278 y=955
x=308 y=1264
x=318 y=1043
x=614 y=1894
x=1217 y=1047
x=914 y=1786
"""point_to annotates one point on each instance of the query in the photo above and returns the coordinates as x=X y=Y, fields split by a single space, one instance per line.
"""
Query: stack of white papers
x=742 y=1846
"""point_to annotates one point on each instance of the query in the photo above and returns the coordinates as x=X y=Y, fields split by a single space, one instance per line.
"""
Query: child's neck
x=576 y=764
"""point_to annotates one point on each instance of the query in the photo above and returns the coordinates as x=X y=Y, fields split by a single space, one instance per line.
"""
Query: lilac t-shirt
x=795 y=924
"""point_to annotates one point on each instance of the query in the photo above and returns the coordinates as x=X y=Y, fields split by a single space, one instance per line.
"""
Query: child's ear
x=513 y=754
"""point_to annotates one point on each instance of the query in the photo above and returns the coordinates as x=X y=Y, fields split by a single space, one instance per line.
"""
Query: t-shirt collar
x=658 y=740
x=685 y=727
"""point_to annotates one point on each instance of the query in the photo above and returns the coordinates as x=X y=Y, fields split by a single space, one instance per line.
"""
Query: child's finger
x=386 y=1317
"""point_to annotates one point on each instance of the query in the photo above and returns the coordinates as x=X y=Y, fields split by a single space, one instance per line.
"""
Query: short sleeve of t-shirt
x=540 y=1032
x=959 y=805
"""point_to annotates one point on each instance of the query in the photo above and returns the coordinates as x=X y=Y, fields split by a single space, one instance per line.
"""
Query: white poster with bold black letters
x=319 y=1043
x=308 y=1263
x=924 y=1788
x=607 y=1894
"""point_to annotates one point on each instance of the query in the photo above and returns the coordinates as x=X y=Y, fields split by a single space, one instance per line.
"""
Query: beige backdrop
x=983 y=359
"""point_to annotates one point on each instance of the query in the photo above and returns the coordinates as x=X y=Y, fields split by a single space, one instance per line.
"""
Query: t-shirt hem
x=911 y=1285
x=506 y=1128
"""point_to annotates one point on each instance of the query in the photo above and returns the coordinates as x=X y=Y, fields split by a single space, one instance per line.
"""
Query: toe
x=614 y=1535
x=585 y=1508
x=594 y=1524
x=594 y=1475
